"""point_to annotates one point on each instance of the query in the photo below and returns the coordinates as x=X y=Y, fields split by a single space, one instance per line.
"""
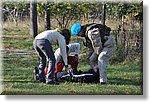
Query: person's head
x=78 y=30
x=67 y=35
x=75 y=29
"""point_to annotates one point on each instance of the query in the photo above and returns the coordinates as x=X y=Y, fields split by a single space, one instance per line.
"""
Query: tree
x=104 y=13
x=33 y=18
x=47 y=16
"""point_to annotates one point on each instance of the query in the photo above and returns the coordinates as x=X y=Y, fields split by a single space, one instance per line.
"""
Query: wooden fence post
x=33 y=18
x=47 y=16
x=104 y=14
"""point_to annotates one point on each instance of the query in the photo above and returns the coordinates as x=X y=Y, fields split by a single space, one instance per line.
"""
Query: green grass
x=124 y=78
x=18 y=79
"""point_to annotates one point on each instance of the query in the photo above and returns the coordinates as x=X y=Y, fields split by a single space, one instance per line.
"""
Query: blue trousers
x=46 y=54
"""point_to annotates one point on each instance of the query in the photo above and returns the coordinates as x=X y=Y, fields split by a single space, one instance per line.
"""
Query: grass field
x=124 y=78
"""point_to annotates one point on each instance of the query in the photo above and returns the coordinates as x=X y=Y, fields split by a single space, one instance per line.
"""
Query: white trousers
x=101 y=61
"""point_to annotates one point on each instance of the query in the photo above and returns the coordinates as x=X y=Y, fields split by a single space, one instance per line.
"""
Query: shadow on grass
x=20 y=81
x=112 y=81
x=120 y=81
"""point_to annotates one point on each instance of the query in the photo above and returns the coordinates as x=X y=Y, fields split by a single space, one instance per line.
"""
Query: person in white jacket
x=43 y=46
x=73 y=51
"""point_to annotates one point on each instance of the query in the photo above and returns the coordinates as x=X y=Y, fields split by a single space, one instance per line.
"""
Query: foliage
x=66 y=12
x=119 y=9
x=118 y=55
x=13 y=10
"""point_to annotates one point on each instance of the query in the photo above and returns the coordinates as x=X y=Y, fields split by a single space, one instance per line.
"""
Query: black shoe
x=42 y=81
x=103 y=83
x=36 y=73
x=52 y=83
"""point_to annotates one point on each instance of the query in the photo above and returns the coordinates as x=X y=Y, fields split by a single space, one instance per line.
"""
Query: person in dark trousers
x=43 y=46
x=73 y=51
x=100 y=43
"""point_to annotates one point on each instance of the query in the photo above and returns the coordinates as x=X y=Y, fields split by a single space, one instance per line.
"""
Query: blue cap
x=75 y=29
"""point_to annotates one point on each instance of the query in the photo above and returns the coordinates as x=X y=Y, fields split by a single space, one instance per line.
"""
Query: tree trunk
x=33 y=18
x=15 y=14
x=104 y=14
x=47 y=16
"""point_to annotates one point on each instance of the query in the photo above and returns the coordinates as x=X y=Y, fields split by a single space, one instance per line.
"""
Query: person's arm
x=62 y=45
x=57 y=55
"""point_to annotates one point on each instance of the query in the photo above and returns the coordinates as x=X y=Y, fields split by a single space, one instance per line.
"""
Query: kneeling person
x=73 y=51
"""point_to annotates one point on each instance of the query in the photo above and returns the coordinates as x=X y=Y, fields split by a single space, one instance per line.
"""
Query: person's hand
x=70 y=70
